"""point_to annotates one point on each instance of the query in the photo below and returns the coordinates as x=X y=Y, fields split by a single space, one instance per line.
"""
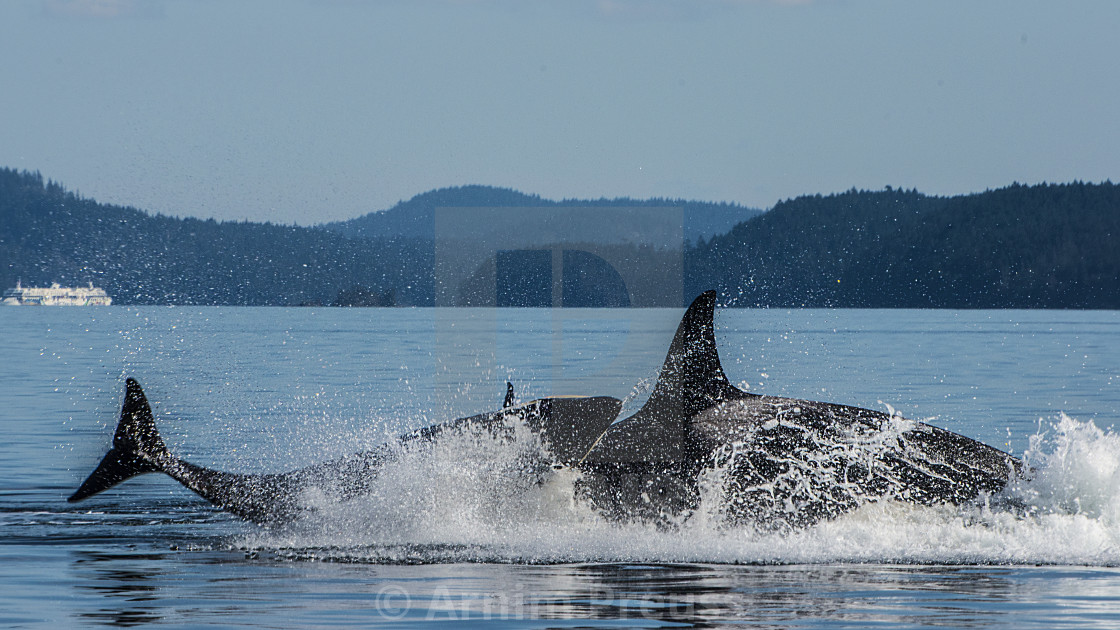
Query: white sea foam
x=488 y=499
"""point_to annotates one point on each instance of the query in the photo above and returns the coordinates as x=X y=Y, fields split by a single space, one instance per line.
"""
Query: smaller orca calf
x=567 y=428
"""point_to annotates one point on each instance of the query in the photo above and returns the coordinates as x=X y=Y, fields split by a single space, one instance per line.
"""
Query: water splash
x=489 y=500
x=1076 y=471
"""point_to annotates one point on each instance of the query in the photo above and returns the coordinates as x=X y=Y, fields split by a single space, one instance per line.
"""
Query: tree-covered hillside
x=50 y=235
x=417 y=216
x=1045 y=246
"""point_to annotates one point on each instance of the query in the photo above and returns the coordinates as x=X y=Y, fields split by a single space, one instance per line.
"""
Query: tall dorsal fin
x=691 y=380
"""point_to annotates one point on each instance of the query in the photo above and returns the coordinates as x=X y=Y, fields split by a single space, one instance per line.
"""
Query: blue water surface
x=268 y=389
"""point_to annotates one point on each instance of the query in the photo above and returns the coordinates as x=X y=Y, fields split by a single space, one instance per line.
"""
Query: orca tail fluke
x=137 y=446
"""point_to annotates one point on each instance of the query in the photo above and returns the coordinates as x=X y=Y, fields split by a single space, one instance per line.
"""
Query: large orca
x=774 y=462
x=567 y=427
x=771 y=461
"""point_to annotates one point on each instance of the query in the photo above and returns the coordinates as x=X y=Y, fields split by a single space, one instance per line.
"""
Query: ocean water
x=455 y=534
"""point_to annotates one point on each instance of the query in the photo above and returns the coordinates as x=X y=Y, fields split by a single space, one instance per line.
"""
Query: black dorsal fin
x=691 y=380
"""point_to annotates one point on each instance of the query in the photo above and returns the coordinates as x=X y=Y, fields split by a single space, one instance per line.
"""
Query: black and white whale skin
x=775 y=462
x=769 y=461
x=567 y=428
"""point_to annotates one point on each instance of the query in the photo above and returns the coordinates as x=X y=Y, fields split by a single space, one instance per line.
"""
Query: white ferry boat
x=56 y=295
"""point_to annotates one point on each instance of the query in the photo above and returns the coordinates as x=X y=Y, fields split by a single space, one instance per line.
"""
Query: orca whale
x=776 y=462
x=771 y=461
x=567 y=426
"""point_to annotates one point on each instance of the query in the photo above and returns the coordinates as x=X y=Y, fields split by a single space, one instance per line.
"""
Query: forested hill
x=417 y=216
x=1044 y=246
x=50 y=235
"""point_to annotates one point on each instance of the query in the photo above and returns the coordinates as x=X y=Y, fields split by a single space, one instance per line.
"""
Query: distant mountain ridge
x=415 y=218
x=1040 y=246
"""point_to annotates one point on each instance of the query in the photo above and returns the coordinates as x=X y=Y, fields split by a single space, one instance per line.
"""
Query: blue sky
x=301 y=111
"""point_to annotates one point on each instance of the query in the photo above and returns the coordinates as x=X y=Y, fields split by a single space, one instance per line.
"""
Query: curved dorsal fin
x=691 y=380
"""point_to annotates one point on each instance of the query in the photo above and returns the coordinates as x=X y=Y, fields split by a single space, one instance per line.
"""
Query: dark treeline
x=1044 y=246
x=50 y=235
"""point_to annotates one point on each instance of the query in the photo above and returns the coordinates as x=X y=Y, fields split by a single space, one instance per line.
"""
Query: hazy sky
x=306 y=111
